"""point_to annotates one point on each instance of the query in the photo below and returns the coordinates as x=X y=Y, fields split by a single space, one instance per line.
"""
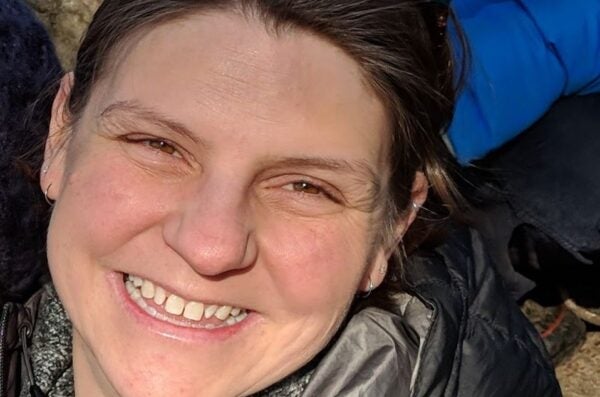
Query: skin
x=229 y=211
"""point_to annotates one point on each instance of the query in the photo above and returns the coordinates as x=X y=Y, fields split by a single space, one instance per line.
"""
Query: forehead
x=221 y=70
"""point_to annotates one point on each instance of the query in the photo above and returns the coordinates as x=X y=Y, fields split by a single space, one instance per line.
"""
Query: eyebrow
x=137 y=110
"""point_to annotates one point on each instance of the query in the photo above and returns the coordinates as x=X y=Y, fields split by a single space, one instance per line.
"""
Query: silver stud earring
x=45 y=169
x=416 y=207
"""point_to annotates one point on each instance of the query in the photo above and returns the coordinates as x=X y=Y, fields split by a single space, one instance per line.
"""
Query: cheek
x=103 y=204
x=315 y=264
x=93 y=215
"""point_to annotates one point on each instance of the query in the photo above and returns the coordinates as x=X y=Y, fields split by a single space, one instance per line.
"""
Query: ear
x=418 y=195
x=54 y=153
x=378 y=266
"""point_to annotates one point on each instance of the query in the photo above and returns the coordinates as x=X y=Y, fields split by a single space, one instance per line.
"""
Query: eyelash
x=149 y=142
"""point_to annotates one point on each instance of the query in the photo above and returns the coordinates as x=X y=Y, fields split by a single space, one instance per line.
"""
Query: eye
x=157 y=144
x=304 y=187
x=311 y=189
x=162 y=145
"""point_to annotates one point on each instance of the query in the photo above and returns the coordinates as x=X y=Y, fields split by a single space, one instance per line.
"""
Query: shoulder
x=455 y=332
x=478 y=342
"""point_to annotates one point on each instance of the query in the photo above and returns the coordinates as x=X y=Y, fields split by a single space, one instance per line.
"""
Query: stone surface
x=579 y=376
x=562 y=331
x=66 y=20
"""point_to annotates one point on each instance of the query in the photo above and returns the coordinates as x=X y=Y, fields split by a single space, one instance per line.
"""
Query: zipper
x=26 y=332
x=6 y=309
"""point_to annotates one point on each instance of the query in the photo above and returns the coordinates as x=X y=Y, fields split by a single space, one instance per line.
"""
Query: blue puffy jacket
x=525 y=55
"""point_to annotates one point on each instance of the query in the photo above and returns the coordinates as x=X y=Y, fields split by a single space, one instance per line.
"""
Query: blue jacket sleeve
x=525 y=54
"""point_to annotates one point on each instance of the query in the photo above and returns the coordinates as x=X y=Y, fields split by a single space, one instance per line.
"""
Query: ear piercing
x=416 y=207
x=45 y=171
x=50 y=202
x=370 y=288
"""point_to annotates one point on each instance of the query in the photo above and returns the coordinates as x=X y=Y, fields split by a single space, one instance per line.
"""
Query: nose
x=212 y=233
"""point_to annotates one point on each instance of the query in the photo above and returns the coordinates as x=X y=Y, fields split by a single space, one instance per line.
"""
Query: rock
x=66 y=21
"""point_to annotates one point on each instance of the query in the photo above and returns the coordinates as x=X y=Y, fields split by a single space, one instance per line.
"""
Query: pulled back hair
x=402 y=50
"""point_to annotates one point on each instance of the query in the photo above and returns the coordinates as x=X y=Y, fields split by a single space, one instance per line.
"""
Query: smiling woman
x=229 y=178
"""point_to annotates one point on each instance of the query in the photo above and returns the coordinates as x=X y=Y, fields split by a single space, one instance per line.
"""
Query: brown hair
x=402 y=50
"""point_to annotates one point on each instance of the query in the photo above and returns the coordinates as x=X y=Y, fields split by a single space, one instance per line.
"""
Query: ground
x=579 y=375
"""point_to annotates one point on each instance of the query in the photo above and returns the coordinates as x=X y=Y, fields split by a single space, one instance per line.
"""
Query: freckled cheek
x=315 y=264
x=108 y=204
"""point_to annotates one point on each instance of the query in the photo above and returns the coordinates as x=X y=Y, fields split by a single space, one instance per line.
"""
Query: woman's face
x=226 y=167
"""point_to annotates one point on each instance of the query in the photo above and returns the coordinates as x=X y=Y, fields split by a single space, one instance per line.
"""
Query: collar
x=50 y=350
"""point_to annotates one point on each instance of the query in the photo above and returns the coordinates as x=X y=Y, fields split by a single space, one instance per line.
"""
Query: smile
x=171 y=308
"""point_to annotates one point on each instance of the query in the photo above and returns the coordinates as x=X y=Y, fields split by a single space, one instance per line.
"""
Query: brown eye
x=163 y=146
x=310 y=190
x=306 y=187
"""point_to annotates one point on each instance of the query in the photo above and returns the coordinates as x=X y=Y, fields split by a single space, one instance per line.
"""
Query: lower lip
x=171 y=331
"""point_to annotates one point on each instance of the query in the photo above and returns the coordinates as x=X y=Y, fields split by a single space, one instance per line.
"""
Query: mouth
x=170 y=308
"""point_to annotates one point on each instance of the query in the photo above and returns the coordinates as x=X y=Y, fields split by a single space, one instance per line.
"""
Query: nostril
x=213 y=247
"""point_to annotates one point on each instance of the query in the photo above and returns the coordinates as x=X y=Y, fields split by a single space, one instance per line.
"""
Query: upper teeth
x=139 y=288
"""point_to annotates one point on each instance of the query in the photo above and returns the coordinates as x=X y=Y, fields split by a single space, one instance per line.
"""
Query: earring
x=50 y=202
x=416 y=207
x=45 y=169
x=370 y=288
x=382 y=268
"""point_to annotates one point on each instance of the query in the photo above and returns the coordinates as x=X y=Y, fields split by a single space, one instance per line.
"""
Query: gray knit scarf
x=52 y=364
